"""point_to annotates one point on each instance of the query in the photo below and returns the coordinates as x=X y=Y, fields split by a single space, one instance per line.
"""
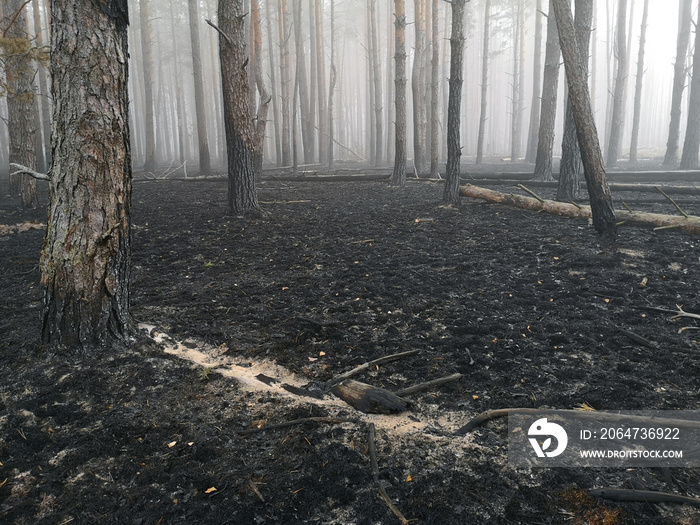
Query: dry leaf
x=210 y=490
x=409 y=479
x=172 y=444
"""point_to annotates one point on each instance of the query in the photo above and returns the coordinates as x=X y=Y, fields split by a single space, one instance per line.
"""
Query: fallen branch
x=637 y=338
x=428 y=385
x=369 y=399
x=578 y=414
x=365 y=366
x=375 y=475
x=690 y=224
x=294 y=422
x=23 y=170
x=680 y=210
x=680 y=313
x=643 y=496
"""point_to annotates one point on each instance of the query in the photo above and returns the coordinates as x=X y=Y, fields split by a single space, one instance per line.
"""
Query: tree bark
x=484 y=84
x=518 y=74
x=150 y=163
x=19 y=73
x=434 y=93
x=600 y=198
x=378 y=97
x=86 y=258
x=202 y=137
x=286 y=83
x=454 y=148
x=618 y=110
x=240 y=136
x=545 y=142
x=43 y=91
x=331 y=92
x=679 y=77
x=691 y=145
x=638 y=85
x=179 y=97
x=571 y=166
x=273 y=84
x=398 y=177
x=321 y=85
x=264 y=97
x=419 y=90
x=531 y=152
x=306 y=129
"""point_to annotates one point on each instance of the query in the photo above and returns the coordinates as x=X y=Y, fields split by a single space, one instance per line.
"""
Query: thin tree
x=398 y=177
x=377 y=87
x=263 y=96
x=518 y=74
x=617 y=118
x=286 y=84
x=454 y=147
x=638 y=86
x=419 y=90
x=550 y=84
x=19 y=73
x=150 y=162
x=484 y=84
x=179 y=96
x=43 y=89
x=86 y=258
x=321 y=85
x=273 y=83
x=306 y=123
x=531 y=151
x=434 y=92
x=691 y=145
x=240 y=135
x=570 y=167
x=202 y=138
x=679 y=77
x=331 y=91
x=600 y=197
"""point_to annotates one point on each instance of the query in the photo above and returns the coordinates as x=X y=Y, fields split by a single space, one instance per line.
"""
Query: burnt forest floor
x=526 y=306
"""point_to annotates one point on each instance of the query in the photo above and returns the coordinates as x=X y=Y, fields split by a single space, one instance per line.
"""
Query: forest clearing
x=525 y=306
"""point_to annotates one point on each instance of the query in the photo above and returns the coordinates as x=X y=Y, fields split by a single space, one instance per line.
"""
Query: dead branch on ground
x=365 y=366
x=294 y=422
x=643 y=496
x=375 y=475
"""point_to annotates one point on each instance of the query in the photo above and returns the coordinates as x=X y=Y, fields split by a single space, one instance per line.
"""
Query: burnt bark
x=240 y=136
x=548 y=112
x=691 y=144
x=679 y=77
x=604 y=220
x=398 y=177
x=571 y=167
x=86 y=258
x=454 y=148
x=202 y=138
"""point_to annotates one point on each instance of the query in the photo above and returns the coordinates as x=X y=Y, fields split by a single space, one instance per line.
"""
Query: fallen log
x=643 y=496
x=369 y=399
x=614 y=186
x=690 y=224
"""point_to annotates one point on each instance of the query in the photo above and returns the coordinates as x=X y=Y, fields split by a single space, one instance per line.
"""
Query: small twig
x=428 y=385
x=679 y=313
x=251 y=486
x=375 y=475
x=662 y=192
x=228 y=38
x=27 y=171
x=365 y=366
x=285 y=424
x=637 y=338
x=626 y=207
x=528 y=190
x=644 y=496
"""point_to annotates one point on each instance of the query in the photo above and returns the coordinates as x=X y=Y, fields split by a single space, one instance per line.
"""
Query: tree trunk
x=517 y=98
x=398 y=177
x=571 y=166
x=531 y=152
x=638 y=86
x=273 y=83
x=484 y=84
x=264 y=97
x=312 y=78
x=691 y=145
x=378 y=97
x=618 y=110
x=203 y=140
x=86 y=258
x=150 y=163
x=679 y=77
x=545 y=143
x=419 y=90
x=240 y=137
x=43 y=91
x=285 y=81
x=19 y=72
x=179 y=97
x=434 y=93
x=454 y=148
x=331 y=90
x=603 y=213
x=306 y=124
x=321 y=85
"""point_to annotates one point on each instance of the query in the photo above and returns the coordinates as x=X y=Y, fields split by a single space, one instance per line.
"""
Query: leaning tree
x=86 y=258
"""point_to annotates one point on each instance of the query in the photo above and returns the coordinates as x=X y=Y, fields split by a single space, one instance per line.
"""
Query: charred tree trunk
x=484 y=84
x=312 y=78
x=19 y=71
x=321 y=85
x=179 y=97
x=571 y=166
x=618 y=110
x=202 y=138
x=531 y=152
x=518 y=74
x=273 y=83
x=306 y=124
x=679 y=77
x=398 y=177
x=454 y=147
x=264 y=97
x=638 y=85
x=286 y=85
x=150 y=163
x=434 y=93
x=377 y=78
x=545 y=143
x=602 y=210
x=691 y=145
x=240 y=140
x=331 y=91
x=86 y=258
x=419 y=90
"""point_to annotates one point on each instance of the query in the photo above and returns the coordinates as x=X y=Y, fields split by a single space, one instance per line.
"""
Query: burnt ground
x=526 y=306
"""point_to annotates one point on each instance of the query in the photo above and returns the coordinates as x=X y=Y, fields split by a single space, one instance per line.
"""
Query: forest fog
x=349 y=49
